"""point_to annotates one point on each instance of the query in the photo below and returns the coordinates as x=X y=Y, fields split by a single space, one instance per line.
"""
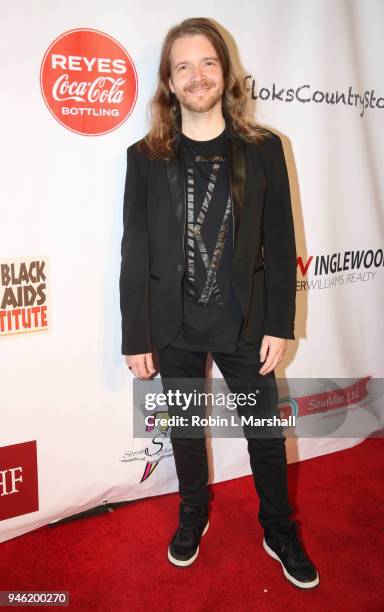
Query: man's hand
x=273 y=347
x=141 y=365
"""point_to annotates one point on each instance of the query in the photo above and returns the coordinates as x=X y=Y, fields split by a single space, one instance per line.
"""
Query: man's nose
x=198 y=73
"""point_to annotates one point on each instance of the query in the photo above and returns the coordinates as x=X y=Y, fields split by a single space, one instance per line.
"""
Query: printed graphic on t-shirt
x=212 y=314
x=211 y=290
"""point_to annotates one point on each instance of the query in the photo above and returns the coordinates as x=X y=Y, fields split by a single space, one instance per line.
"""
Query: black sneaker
x=184 y=546
x=284 y=546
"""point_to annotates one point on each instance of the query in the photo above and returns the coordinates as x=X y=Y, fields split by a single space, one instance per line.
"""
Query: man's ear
x=171 y=87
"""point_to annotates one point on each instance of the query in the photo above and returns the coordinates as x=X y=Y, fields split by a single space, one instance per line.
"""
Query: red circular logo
x=88 y=81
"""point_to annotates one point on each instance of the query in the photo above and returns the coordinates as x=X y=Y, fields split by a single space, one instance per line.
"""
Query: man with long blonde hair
x=209 y=265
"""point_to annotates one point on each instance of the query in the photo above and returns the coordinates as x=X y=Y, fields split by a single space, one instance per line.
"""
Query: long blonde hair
x=165 y=107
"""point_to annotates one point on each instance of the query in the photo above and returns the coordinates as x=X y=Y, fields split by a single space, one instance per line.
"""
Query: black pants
x=267 y=454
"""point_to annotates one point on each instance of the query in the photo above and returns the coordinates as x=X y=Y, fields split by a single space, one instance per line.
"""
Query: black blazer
x=152 y=246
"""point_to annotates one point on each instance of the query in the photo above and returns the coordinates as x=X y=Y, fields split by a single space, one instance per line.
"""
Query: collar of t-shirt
x=207 y=147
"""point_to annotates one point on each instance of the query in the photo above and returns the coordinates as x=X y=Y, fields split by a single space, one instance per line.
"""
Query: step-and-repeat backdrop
x=76 y=81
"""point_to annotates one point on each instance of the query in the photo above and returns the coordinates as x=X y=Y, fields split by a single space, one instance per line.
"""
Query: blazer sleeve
x=134 y=272
x=279 y=247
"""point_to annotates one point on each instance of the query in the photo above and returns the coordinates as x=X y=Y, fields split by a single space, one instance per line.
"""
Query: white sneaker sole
x=301 y=585
x=188 y=561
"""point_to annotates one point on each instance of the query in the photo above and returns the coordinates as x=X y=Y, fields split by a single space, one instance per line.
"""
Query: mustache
x=200 y=85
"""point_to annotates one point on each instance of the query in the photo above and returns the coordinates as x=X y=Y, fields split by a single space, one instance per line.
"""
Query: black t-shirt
x=212 y=314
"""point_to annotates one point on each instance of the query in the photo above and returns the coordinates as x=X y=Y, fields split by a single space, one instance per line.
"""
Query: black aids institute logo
x=23 y=296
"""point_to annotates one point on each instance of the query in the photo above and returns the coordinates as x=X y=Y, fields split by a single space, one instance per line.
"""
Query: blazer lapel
x=175 y=176
x=237 y=169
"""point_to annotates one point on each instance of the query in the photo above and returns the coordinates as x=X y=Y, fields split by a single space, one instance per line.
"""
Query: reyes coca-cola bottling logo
x=88 y=81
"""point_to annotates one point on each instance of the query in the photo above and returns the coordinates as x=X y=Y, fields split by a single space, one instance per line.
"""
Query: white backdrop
x=67 y=387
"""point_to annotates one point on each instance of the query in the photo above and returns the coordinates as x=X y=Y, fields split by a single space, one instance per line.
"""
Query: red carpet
x=117 y=561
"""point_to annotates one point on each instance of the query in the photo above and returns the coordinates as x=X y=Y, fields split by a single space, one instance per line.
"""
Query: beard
x=196 y=104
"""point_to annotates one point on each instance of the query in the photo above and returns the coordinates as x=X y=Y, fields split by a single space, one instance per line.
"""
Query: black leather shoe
x=193 y=524
x=284 y=546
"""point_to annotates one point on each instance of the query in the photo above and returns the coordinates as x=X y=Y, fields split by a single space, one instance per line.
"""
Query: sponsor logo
x=18 y=480
x=157 y=448
x=351 y=397
x=88 y=81
x=307 y=94
x=337 y=269
x=23 y=296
